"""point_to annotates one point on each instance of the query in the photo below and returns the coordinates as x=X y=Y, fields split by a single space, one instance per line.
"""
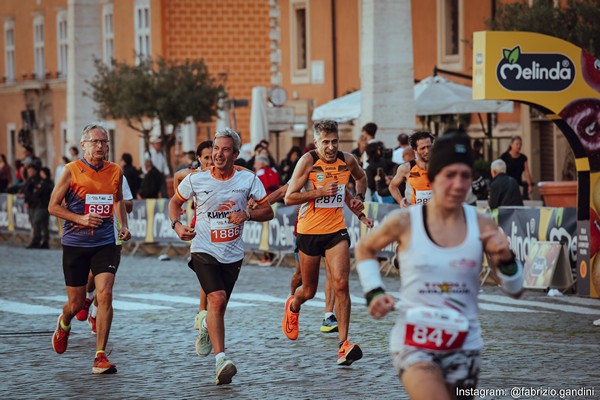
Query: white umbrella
x=259 y=126
x=434 y=95
x=437 y=95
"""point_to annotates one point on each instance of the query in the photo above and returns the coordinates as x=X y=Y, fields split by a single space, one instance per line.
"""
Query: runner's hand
x=367 y=221
x=91 y=220
x=185 y=232
x=124 y=234
x=330 y=188
x=381 y=305
x=496 y=244
x=237 y=218
x=356 y=205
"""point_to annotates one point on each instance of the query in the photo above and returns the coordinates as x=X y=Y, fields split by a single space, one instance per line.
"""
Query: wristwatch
x=175 y=223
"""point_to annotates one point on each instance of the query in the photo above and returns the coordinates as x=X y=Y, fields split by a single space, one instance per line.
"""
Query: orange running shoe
x=348 y=353
x=103 y=366
x=289 y=325
x=60 y=338
x=83 y=313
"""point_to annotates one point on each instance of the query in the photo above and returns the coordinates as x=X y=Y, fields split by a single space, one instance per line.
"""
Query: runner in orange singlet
x=324 y=174
x=415 y=173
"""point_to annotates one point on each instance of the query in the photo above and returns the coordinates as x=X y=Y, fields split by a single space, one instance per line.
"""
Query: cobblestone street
x=538 y=341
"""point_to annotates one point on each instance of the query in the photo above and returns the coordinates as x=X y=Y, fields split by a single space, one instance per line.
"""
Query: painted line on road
x=529 y=303
x=500 y=308
x=117 y=304
x=24 y=308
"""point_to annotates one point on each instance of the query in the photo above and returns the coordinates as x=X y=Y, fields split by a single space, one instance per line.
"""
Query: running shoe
x=203 y=344
x=348 y=353
x=289 y=325
x=92 y=323
x=60 y=338
x=225 y=370
x=329 y=324
x=103 y=366
x=83 y=313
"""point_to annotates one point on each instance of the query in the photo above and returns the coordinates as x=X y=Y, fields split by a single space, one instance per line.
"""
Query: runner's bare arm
x=394 y=186
x=278 y=194
x=184 y=232
x=55 y=206
x=263 y=212
x=358 y=174
x=294 y=194
x=179 y=175
x=121 y=211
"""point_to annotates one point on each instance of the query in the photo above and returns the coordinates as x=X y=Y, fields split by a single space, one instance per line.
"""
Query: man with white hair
x=504 y=189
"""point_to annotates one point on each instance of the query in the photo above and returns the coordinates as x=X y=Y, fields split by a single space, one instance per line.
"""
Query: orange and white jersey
x=215 y=199
x=324 y=215
x=419 y=184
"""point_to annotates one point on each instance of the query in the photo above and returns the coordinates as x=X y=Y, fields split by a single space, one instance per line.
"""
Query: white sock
x=204 y=324
x=90 y=295
x=219 y=356
x=328 y=314
x=93 y=310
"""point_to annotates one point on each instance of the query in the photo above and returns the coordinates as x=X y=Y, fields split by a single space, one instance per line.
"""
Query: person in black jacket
x=131 y=173
x=151 y=183
x=378 y=172
x=504 y=189
x=36 y=193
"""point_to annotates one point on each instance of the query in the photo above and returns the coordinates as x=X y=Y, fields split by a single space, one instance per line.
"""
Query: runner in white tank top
x=437 y=340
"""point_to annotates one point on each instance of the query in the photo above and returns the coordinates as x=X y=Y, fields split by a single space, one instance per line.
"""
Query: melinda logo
x=535 y=72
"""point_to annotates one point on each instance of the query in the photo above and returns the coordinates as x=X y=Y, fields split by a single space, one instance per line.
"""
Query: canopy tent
x=433 y=95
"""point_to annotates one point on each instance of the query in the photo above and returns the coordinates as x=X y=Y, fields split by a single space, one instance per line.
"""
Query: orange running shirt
x=324 y=215
x=91 y=190
x=420 y=185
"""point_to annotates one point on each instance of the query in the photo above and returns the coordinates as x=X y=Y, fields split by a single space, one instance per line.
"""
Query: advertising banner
x=562 y=81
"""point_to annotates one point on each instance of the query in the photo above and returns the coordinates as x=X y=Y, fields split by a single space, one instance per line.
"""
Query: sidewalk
x=538 y=341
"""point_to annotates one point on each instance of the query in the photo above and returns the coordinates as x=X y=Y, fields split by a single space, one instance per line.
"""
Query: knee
x=104 y=295
x=340 y=285
x=218 y=301
x=309 y=290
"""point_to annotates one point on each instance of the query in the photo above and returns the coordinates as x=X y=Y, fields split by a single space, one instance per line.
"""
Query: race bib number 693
x=101 y=204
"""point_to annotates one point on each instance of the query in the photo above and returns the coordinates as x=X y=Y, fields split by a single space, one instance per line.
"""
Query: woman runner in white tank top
x=436 y=341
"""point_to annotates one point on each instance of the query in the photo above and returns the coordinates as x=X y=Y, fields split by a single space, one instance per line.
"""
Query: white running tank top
x=444 y=278
x=215 y=199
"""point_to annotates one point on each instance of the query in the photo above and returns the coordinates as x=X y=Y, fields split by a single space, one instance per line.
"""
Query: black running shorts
x=213 y=275
x=315 y=245
x=77 y=262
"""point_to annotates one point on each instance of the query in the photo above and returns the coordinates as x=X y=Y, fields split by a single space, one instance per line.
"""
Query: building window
x=300 y=43
x=38 y=47
x=142 y=29
x=9 y=50
x=108 y=34
x=63 y=43
x=450 y=30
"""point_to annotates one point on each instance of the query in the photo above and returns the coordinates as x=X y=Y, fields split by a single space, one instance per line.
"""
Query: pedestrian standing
x=517 y=166
x=221 y=194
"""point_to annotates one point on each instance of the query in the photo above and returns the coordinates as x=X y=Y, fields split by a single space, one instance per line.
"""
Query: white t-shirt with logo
x=215 y=199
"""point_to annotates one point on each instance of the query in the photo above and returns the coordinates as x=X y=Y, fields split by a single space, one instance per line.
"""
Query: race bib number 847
x=435 y=328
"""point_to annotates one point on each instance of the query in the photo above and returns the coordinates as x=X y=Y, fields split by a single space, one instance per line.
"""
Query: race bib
x=335 y=201
x=431 y=328
x=221 y=230
x=101 y=204
x=422 y=196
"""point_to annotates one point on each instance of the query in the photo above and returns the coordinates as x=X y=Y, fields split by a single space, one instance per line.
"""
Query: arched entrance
x=562 y=81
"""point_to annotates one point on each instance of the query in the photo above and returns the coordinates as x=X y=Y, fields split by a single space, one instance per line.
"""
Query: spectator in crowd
x=398 y=151
x=408 y=156
x=74 y=152
x=151 y=183
x=516 y=165
x=289 y=163
x=5 y=174
x=30 y=155
x=188 y=160
x=36 y=193
x=379 y=173
x=368 y=132
x=477 y=150
x=19 y=179
x=265 y=144
x=131 y=173
x=257 y=151
x=268 y=176
x=504 y=189
x=61 y=167
x=158 y=161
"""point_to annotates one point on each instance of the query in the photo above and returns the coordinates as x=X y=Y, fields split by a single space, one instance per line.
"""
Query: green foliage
x=168 y=91
x=576 y=22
